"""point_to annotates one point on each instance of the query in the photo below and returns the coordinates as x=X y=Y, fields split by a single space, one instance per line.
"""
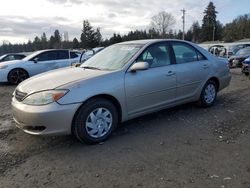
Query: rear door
x=192 y=69
x=62 y=59
x=155 y=87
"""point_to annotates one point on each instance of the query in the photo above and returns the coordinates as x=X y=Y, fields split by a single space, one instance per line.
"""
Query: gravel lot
x=184 y=146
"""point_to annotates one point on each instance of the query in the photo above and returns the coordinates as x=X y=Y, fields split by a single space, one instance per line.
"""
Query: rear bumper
x=225 y=81
x=52 y=119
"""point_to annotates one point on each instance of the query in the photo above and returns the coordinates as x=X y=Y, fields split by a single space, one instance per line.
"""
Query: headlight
x=44 y=97
x=3 y=66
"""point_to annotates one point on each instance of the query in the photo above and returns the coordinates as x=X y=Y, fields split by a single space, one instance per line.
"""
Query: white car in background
x=38 y=62
x=89 y=53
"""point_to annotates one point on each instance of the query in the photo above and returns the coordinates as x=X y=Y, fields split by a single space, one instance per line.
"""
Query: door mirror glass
x=139 y=66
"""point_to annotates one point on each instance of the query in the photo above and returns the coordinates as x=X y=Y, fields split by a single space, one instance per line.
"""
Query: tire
x=16 y=76
x=208 y=94
x=95 y=121
x=246 y=73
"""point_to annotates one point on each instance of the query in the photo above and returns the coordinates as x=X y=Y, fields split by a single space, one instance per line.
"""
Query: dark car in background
x=232 y=50
x=11 y=57
x=245 y=66
x=237 y=59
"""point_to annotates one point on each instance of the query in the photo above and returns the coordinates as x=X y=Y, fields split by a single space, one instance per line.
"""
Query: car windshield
x=31 y=56
x=112 y=58
x=243 y=51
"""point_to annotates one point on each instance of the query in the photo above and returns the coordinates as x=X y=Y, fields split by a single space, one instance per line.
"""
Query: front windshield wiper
x=93 y=68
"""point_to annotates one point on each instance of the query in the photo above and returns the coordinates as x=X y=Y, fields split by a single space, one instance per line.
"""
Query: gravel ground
x=185 y=146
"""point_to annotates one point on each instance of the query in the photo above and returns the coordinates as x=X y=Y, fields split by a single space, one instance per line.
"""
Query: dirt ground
x=185 y=146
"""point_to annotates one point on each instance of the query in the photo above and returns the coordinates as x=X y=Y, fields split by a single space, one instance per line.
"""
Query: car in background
x=11 y=57
x=38 y=62
x=237 y=59
x=218 y=50
x=122 y=82
x=89 y=53
x=246 y=66
x=233 y=49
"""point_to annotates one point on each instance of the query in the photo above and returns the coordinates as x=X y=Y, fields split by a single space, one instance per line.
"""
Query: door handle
x=205 y=66
x=170 y=73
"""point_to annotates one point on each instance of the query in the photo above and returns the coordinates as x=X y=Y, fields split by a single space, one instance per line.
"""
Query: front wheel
x=246 y=73
x=208 y=94
x=95 y=121
x=16 y=76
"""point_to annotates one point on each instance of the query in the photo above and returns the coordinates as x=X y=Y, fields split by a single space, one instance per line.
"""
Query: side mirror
x=75 y=64
x=139 y=66
x=36 y=60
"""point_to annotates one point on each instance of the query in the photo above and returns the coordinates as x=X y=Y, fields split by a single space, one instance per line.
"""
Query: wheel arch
x=17 y=69
x=103 y=96
x=217 y=81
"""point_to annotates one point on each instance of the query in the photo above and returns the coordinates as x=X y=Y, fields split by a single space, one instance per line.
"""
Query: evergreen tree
x=196 y=29
x=44 y=41
x=209 y=23
x=89 y=37
x=37 y=43
x=75 y=44
x=237 y=29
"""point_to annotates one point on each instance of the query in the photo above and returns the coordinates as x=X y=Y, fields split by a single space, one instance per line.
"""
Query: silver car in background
x=123 y=81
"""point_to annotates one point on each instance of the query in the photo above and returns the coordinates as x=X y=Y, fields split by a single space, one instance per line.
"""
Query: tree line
x=161 y=25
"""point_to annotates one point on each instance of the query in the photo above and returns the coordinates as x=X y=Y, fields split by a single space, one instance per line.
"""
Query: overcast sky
x=22 y=20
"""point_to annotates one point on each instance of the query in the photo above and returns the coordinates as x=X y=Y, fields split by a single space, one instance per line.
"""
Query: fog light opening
x=35 y=128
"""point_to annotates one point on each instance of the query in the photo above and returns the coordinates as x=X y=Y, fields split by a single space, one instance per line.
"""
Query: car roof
x=14 y=54
x=149 y=41
x=48 y=50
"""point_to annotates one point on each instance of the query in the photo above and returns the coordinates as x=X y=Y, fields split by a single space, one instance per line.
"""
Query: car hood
x=57 y=78
x=238 y=57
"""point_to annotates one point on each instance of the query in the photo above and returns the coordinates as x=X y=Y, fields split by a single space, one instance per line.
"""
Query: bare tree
x=162 y=22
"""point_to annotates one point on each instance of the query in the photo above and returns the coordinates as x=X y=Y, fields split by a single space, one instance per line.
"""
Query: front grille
x=20 y=95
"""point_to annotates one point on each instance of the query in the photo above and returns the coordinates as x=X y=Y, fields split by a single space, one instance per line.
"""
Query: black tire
x=16 y=76
x=80 y=128
x=246 y=73
x=203 y=101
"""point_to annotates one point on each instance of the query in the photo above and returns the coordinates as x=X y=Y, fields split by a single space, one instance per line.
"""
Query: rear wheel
x=95 y=121
x=16 y=76
x=208 y=94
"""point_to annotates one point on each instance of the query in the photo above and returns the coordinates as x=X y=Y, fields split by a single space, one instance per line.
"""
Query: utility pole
x=183 y=23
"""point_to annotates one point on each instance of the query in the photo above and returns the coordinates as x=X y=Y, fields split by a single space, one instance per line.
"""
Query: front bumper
x=245 y=68
x=51 y=119
x=4 y=75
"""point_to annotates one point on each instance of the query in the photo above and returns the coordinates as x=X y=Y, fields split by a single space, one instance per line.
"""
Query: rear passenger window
x=185 y=53
x=63 y=55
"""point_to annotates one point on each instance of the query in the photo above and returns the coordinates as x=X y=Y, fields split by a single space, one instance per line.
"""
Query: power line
x=183 y=23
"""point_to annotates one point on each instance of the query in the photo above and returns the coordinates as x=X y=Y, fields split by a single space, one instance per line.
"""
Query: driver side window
x=47 y=56
x=156 y=55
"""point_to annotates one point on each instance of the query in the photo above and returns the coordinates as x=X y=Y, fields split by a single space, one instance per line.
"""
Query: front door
x=43 y=62
x=155 y=87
